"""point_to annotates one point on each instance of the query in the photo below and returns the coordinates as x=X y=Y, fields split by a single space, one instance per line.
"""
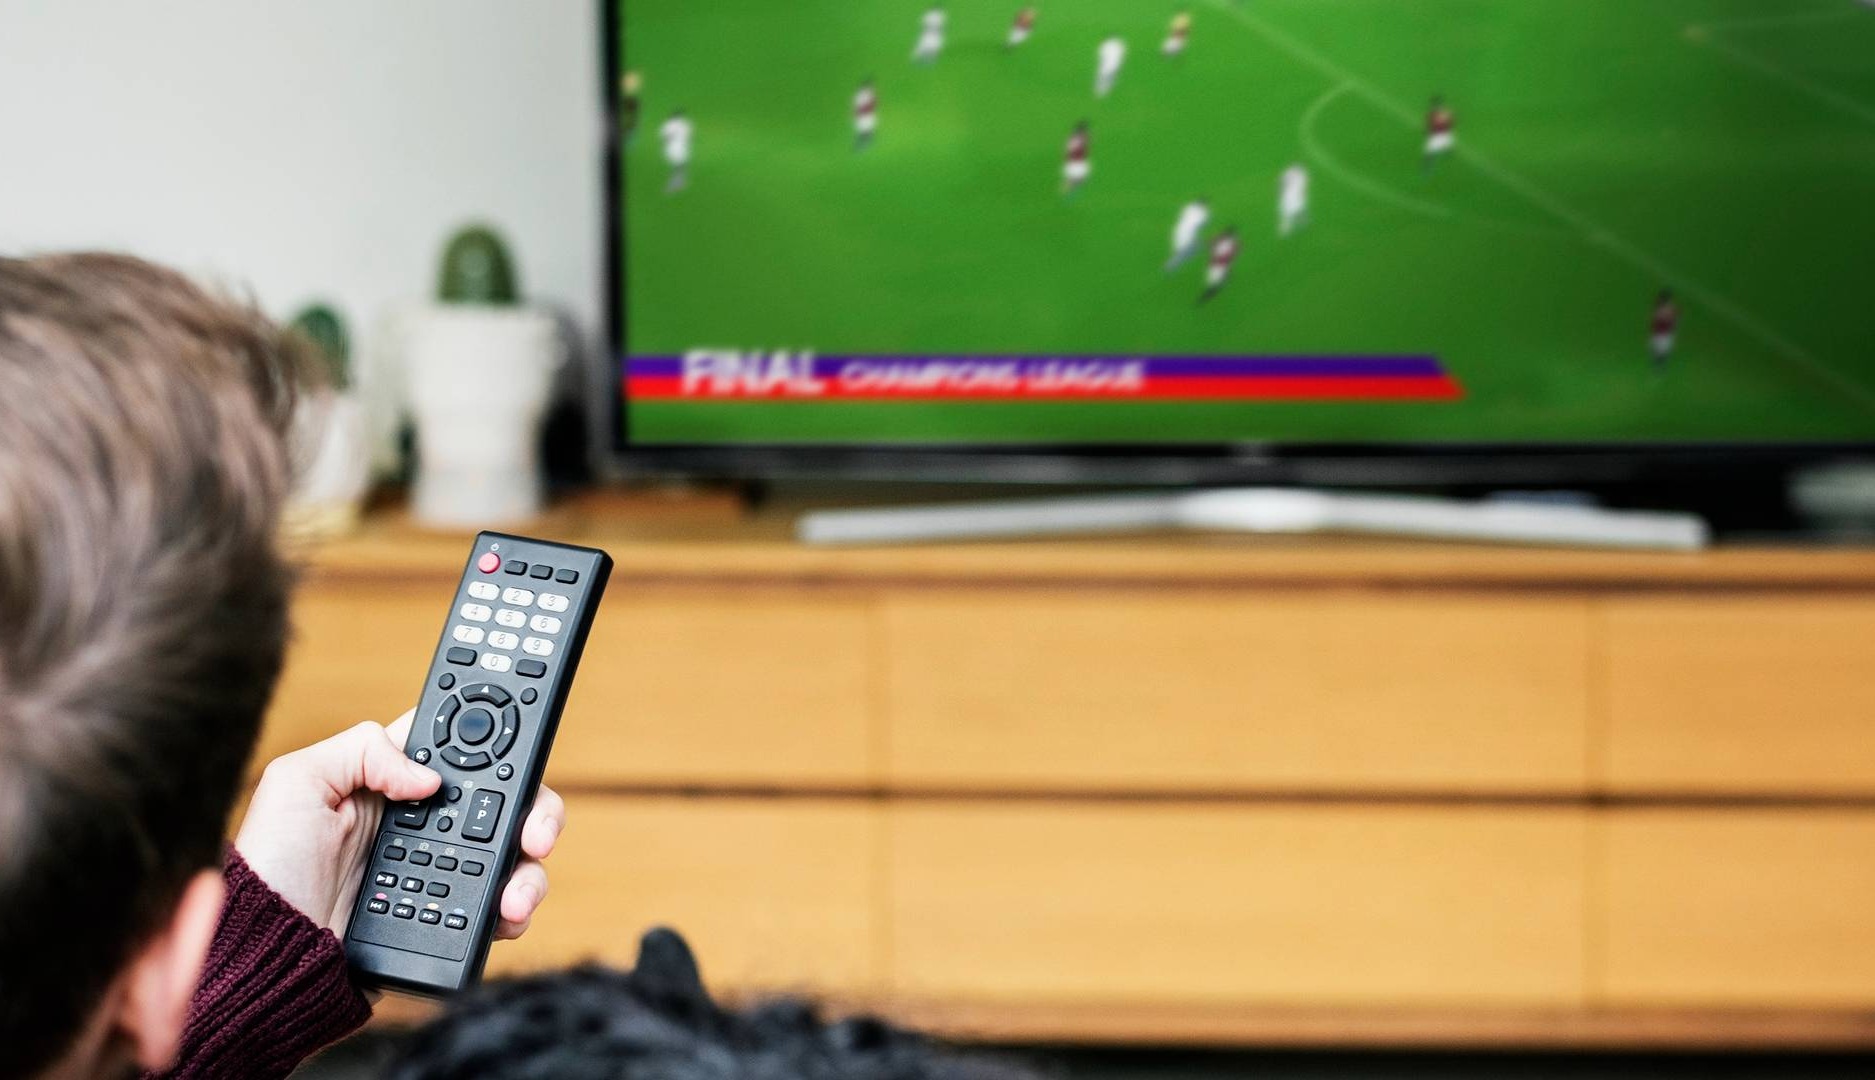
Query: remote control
x=431 y=894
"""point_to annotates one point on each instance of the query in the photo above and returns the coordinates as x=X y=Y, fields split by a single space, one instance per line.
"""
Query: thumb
x=365 y=757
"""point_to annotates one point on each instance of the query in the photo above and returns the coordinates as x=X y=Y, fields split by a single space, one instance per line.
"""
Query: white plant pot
x=478 y=381
x=333 y=453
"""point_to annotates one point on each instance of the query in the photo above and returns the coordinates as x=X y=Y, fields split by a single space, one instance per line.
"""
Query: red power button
x=488 y=563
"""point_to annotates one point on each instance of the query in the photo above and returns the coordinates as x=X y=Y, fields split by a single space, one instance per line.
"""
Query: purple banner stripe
x=1156 y=366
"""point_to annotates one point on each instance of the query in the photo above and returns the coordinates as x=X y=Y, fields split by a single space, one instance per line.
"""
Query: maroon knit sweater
x=274 y=989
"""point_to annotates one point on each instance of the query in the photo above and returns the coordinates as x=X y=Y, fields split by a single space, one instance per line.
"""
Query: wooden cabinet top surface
x=692 y=539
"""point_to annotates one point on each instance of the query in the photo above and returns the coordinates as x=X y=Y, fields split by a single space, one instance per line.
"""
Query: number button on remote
x=477 y=612
x=496 y=662
x=537 y=647
x=517 y=597
x=510 y=618
x=544 y=624
x=468 y=635
x=501 y=639
x=553 y=602
x=483 y=590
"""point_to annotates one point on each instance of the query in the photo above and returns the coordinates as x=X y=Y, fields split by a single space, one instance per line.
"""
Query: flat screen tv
x=1511 y=239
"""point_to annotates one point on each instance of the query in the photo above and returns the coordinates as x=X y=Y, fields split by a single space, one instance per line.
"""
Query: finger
x=544 y=823
x=526 y=888
x=507 y=931
x=365 y=757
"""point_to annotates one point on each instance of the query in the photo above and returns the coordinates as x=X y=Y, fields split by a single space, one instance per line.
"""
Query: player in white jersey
x=930 y=37
x=676 y=133
x=1112 y=54
x=1179 y=35
x=865 y=115
x=1188 y=233
x=1292 y=205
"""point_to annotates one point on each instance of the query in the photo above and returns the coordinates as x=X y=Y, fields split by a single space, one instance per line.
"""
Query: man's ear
x=162 y=976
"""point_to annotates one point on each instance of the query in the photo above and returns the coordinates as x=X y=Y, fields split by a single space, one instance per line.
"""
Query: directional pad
x=463 y=759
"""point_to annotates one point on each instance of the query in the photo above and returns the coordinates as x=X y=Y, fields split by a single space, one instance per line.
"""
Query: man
x=1178 y=36
x=630 y=86
x=1292 y=201
x=676 y=134
x=1223 y=254
x=143 y=464
x=1662 y=329
x=930 y=37
x=1078 y=165
x=1024 y=26
x=1107 y=61
x=865 y=115
x=1440 y=133
x=1187 y=233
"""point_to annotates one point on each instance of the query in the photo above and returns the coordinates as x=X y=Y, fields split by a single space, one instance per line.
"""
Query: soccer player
x=1223 y=253
x=865 y=115
x=676 y=134
x=1179 y=35
x=1075 y=170
x=1292 y=205
x=1665 y=323
x=1112 y=54
x=1024 y=26
x=930 y=37
x=1188 y=233
x=629 y=105
x=1440 y=136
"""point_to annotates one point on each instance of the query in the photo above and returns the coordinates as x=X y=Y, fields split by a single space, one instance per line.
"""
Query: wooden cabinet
x=1249 y=791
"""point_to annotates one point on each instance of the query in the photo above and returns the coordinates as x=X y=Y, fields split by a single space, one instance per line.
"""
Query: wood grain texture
x=1749 y=694
x=1244 y=691
x=1211 y=906
x=774 y=896
x=1741 y=907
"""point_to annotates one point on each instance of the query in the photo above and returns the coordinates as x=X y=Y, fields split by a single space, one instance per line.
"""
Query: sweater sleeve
x=274 y=989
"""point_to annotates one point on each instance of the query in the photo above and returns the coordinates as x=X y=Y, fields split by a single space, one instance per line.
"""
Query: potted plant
x=480 y=367
x=329 y=437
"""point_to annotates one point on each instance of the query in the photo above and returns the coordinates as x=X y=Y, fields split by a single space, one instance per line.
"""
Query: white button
x=469 y=635
x=495 y=661
x=510 y=617
x=483 y=590
x=501 y=639
x=544 y=624
x=538 y=646
x=552 y=601
x=476 y=612
x=517 y=597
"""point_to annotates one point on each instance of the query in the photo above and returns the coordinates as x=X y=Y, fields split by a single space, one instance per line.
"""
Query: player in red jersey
x=1664 y=325
x=1223 y=252
x=1440 y=133
x=865 y=115
x=1024 y=26
x=1076 y=169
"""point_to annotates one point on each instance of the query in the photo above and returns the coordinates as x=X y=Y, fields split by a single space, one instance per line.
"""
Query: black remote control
x=431 y=894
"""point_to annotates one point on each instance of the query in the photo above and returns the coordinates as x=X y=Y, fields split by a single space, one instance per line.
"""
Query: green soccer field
x=1607 y=148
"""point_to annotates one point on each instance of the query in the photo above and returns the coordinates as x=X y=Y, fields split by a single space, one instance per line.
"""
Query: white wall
x=306 y=149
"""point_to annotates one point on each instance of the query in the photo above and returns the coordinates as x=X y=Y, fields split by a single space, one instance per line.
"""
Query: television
x=1373 y=241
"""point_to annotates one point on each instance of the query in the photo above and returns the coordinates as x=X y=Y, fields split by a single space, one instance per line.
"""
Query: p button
x=480 y=816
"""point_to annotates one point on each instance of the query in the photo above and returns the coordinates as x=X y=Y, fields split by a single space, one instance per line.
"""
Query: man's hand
x=309 y=829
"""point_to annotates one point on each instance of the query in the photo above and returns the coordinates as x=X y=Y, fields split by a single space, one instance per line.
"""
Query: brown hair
x=143 y=610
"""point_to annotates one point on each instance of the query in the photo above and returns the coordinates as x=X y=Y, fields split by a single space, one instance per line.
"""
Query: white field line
x=1789 y=18
x=1316 y=152
x=1706 y=35
x=1593 y=232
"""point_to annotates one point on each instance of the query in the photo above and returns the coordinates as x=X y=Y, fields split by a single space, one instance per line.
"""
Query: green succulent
x=477 y=269
x=322 y=326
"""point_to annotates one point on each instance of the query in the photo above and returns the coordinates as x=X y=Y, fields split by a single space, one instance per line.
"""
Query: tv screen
x=1425 y=223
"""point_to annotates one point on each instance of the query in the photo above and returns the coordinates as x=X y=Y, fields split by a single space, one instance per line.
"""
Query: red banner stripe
x=1306 y=388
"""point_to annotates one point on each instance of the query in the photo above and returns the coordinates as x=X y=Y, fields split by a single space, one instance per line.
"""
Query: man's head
x=657 y=1022
x=142 y=620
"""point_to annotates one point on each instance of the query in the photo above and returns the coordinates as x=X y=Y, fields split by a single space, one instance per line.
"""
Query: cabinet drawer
x=1242 y=691
x=1747 y=694
x=772 y=894
x=1760 y=908
x=676 y=686
x=1200 y=904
